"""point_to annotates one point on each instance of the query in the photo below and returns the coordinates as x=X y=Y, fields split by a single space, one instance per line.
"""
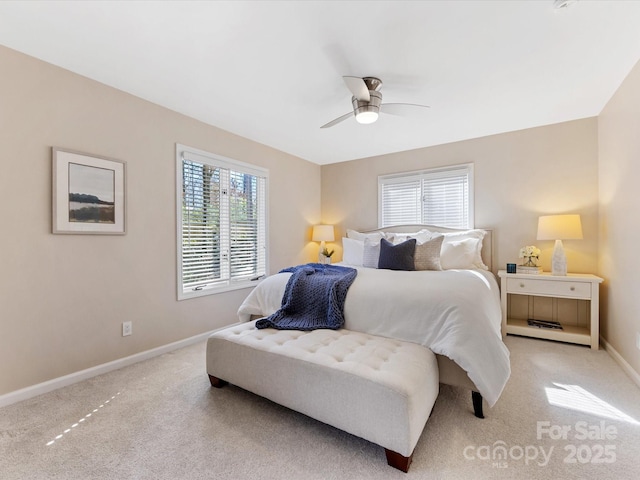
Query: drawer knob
x=522 y=285
x=572 y=288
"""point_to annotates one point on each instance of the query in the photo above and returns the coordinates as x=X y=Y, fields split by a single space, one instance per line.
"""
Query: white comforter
x=455 y=313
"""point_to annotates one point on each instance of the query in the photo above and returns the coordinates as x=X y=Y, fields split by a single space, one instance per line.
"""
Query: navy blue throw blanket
x=313 y=298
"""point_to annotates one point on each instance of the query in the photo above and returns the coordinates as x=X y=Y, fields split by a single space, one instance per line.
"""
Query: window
x=222 y=225
x=438 y=196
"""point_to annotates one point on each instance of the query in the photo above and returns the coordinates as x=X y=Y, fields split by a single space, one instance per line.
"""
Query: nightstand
x=574 y=286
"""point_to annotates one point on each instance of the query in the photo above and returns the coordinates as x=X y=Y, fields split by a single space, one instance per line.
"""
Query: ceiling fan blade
x=357 y=87
x=337 y=120
x=401 y=108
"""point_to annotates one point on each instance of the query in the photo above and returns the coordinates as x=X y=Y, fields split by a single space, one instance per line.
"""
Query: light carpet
x=160 y=419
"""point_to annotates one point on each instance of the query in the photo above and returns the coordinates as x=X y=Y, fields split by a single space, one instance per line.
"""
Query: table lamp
x=322 y=234
x=558 y=228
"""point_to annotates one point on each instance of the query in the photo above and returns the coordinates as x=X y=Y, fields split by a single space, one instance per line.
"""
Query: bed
x=455 y=312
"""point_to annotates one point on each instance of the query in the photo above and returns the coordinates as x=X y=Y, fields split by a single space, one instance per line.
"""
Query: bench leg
x=217 y=382
x=398 y=461
x=477 y=404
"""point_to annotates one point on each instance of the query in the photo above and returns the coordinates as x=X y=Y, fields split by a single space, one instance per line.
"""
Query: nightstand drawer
x=562 y=288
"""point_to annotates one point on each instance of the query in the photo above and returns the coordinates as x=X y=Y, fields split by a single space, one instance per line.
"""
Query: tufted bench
x=376 y=388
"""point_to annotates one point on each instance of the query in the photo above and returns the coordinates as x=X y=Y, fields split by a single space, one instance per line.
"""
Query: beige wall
x=518 y=176
x=619 y=174
x=63 y=297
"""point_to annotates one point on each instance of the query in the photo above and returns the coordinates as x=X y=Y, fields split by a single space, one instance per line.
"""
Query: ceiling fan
x=367 y=101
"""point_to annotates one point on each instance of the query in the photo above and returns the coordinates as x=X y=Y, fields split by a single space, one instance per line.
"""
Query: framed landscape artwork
x=88 y=194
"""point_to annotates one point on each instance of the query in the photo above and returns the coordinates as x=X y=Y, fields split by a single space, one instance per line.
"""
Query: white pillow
x=422 y=236
x=375 y=236
x=463 y=250
x=352 y=251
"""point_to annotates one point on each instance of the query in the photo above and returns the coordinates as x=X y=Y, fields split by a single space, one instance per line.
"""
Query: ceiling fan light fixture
x=367 y=112
x=366 y=117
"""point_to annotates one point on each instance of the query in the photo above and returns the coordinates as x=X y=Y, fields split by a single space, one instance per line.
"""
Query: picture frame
x=88 y=194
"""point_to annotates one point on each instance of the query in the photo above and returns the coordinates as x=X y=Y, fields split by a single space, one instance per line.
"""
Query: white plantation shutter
x=222 y=227
x=440 y=196
x=247 y=225
x=201 y=242
x=401 y=202
x=445 y=199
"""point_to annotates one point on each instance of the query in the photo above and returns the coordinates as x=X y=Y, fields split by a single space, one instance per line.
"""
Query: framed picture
x=88 y=194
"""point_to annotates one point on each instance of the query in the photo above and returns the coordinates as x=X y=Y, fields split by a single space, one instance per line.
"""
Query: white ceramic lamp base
x=558 y=260
x=321 y=258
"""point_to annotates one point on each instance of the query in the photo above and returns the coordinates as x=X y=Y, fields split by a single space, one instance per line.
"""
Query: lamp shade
x=559 y=227
x=323 y=233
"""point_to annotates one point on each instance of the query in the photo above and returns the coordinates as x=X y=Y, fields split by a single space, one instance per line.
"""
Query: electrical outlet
x=127 y=328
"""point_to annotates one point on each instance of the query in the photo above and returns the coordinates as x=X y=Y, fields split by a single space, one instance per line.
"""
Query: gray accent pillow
x=397 y=257
x=371 y=253
x=427 y=255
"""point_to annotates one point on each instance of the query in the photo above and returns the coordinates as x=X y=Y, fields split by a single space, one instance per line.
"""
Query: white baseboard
x=621 y=361
x=54 y=384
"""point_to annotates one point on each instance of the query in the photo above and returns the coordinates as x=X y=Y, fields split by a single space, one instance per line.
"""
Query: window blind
x=441 y=196
x=201 y=224
x=401 y=202
x=222 y=227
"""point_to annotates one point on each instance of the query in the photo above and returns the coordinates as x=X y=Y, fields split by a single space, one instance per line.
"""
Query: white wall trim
x=621 y=361
x=54 y=384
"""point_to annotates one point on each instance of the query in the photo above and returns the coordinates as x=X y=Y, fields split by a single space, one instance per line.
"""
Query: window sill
x=215 y=289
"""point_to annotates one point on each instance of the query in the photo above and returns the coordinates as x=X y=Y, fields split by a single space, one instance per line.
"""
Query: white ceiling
x=271 y=70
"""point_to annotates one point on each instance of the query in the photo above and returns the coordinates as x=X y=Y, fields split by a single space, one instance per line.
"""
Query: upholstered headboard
x=487 y=242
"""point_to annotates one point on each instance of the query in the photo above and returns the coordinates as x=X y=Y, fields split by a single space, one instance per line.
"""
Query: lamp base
x=558 y=260
x=324 y=260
